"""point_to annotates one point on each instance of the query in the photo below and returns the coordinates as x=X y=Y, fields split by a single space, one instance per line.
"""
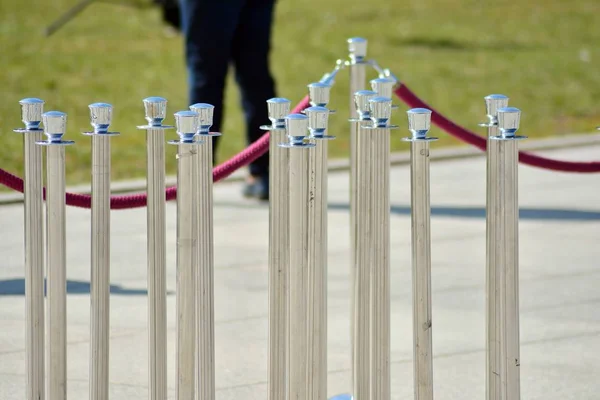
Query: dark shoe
x=257 y=188
x=262 y=188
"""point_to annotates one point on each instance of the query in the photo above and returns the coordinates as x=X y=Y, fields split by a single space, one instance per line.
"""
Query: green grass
x=543 y=54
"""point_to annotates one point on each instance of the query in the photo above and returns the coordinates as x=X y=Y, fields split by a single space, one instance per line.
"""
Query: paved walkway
x=559 y=299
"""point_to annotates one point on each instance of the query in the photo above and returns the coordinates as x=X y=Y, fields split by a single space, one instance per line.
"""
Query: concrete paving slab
x=559 y=277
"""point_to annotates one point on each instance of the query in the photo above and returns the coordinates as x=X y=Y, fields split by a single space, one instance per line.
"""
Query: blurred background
x=543 y=54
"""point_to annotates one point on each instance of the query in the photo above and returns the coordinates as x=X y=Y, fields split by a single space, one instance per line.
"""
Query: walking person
x=220 y=33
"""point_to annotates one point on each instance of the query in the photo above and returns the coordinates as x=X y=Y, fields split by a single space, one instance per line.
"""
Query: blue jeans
x=220 y=32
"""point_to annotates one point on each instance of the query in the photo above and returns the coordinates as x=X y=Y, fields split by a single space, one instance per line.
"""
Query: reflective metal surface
x=419 y=122
x=56 y=276
x=278 y=109
x=187 y=123
x=155 y=112
x=318 y=93
x=357 y=48
x=359 y=293
x=492 y=104
x=204 y=265
x=299 y=200
x=31 y=115
x=383 y=86
x=504 y=221
x=317 y=254
x=374 y=240
x=100 y=119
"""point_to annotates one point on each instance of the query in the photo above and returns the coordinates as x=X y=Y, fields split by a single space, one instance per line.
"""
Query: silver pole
x=360 y=231
x=505 y=225
x=317 y=253
x=378 y=238
x=100 y=116
x=55 y=124
x=187 y=243
x=31 y=115
x=493 y=103
x=205 y=313
x=419 y=121
x=156 y=111
x=357 y=48
x=299 y=173
x=278 y=108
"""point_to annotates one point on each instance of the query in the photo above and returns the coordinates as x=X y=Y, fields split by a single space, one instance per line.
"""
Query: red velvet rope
x=408 y=97
x=261 y=146
x=251 y=153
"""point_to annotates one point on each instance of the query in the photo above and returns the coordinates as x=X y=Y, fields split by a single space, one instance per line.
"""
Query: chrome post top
x=297 y=128
x=186 y=123
x=317 y=121
x=55 y=126
x=493 y=102
x=383 y=86
x=156 y=110
x=100 y=117
x=318 y=93
x=508 y=121
x=31 y=113
x=205 y=113
x=357 y=47
x=419 y=122
x=278 y=109
x=381 y=111
x=361 y=101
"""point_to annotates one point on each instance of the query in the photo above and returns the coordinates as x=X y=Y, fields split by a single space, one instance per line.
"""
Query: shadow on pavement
x=16 y=287
x=543 y=214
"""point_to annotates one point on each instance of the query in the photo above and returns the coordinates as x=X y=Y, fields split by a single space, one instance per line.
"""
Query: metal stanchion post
x=204 y=268
x=187 y=242
x=492 y=104
x=299 y=198
x=377 y=241
x=361 y=271
x=31 y=115
x=55 y=123
x=358 y=51
x=419 y=121
x=317 y=250
x=278 y=108
x=504 y=223
x=100 y=117
x=156 y=111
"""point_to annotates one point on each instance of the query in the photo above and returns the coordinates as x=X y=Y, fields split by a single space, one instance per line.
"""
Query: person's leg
x=208 y=28
x=250 y=53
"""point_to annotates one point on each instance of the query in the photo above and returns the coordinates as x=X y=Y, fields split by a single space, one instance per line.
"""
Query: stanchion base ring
x=380 y=127
x=508 y=138
x=25 y=130
x=101 y=134
x=425 y=139
x=61 y=143
x=324 y=137
x=210 y=134
x=163 y=127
